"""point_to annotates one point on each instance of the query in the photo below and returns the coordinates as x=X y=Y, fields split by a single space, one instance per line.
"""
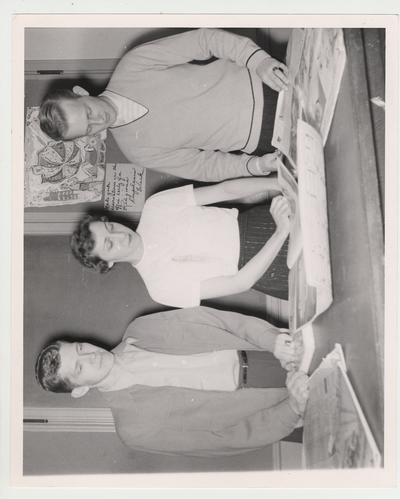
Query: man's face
x=86 y=116
x=84 y=364
x=113 y=242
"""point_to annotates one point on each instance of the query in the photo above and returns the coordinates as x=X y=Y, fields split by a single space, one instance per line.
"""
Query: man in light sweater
x=197 y=381
x=178 y=117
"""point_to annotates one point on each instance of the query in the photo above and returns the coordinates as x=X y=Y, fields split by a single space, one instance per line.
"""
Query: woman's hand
x=281 y=213
x=273 y=73
x=284 y=349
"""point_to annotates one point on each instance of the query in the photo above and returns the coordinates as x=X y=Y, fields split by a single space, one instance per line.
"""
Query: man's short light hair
x=47 y=370
x=52 y=118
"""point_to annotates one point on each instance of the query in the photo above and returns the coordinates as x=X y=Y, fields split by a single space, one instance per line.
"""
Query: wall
x=86 y=43
x=62 y=298
x=100 y=43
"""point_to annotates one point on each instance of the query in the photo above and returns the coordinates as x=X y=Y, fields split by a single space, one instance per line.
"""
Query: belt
x=244 y=366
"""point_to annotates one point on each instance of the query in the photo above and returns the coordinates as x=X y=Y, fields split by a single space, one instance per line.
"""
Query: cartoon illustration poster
x=61 y=172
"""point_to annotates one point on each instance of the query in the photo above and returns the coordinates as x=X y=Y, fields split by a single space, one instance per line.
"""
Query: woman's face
x=113 y=242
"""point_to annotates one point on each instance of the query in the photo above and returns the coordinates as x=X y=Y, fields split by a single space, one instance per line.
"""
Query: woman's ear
x=79 y=391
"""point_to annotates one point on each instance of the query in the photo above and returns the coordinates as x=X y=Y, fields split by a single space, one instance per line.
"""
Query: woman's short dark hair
x=52 y=118
x=47 y=370
x=82 y=244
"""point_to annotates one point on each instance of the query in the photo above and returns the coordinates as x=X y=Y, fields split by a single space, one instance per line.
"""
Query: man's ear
x=79 y=90
x=110 y=264
x=79 y=391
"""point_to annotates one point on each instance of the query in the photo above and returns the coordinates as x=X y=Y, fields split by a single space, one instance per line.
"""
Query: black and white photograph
x=203 y=278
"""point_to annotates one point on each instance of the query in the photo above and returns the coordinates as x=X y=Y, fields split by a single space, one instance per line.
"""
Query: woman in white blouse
x=187 y=251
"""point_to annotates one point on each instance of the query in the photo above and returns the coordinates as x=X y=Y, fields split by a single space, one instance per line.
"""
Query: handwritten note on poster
x=124 y=188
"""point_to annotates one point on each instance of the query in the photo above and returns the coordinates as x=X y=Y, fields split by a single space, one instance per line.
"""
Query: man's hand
x=281 y=213
x=274 y=74
x=264 y=165
x=284 y=351
x=297 y=385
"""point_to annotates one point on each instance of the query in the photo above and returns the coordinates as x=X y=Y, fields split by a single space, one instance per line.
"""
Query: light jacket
x=173 y=420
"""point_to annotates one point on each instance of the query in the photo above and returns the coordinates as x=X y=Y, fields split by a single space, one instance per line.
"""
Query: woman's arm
x=230 y=190
x=259 y=264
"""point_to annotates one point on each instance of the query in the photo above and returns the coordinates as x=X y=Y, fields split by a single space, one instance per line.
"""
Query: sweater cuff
x=249 y=170
x=256 y=58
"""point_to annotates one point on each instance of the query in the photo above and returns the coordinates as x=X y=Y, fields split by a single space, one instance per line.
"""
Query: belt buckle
x=244 y=365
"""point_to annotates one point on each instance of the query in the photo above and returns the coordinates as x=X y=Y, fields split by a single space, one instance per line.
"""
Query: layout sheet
x=313 y=207
x=336 y=433
x=289 y=189
x=310 y=281
x=302 y=296
x=316 y=59
x=304 y=346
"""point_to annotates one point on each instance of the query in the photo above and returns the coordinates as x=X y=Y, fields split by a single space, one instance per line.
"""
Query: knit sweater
x=197 y=113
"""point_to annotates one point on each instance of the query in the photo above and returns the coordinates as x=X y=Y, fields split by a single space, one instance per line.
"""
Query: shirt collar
x=117 y=371
x=127 y=109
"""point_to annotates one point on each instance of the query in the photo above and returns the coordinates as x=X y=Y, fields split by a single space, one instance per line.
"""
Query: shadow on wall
x=274 y=41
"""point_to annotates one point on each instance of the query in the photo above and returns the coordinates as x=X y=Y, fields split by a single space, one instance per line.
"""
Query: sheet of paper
x=288 y=186
x=302 y=296
x=316 y=59
x=124 y=188
x=305 y=346
x=331 y=62
x=336 y=434
x=284 y=135
x=313 y=213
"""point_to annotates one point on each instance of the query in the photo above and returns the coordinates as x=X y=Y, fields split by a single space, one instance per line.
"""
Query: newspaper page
x=310 y=281
x=289 y=189
x=313 y=206
x=304 y=344
x=316 y=59
x=302 y=296
x=287 y=112
x=336 y=433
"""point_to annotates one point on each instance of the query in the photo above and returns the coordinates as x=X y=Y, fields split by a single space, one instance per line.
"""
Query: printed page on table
x=285 y=125
x=302 y=296
x=288 y=186
x=304 y=346
x=336 y=434
x=316 y=60
x=313 y=206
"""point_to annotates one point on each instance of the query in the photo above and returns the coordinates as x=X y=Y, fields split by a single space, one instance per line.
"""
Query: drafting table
x=354 y=167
